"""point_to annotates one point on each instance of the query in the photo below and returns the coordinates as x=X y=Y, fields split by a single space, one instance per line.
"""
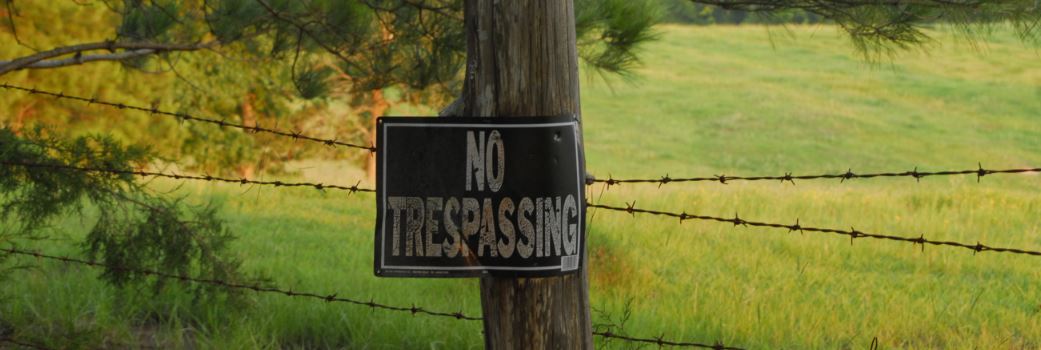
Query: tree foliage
x=880 y=27
x=688 y=12
x=42 y=179
x=283 y=63
x=294 y=61
x=325 y=66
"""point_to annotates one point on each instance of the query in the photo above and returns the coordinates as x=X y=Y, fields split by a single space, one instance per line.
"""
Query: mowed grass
x=710 y=100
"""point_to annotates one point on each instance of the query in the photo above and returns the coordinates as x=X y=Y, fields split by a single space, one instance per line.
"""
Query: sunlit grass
x=717 y=100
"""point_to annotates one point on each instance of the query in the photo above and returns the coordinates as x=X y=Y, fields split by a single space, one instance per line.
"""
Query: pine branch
x=773 y=5
x=303 y=29
x=71 y=61
x=11 y=13
x=880 y=26
x=449 y=10
x=40 y=59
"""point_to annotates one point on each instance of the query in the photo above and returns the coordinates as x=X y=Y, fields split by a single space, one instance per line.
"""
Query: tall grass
x=711 y=100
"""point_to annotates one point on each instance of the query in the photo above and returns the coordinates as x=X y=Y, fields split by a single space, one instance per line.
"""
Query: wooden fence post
x=522 y=61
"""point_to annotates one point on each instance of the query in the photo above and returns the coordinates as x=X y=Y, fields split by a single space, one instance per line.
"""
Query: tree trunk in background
x=19 y=118
x=378 y=108
x=249 y=118
x=522 y=61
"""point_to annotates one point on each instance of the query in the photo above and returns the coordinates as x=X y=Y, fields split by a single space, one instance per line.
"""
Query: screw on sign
x=498 y=196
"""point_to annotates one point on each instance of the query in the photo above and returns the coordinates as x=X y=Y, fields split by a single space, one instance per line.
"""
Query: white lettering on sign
x=528 y=228
x=549 y=228
x=484 y=164
x=500 y=196
x=495 y=177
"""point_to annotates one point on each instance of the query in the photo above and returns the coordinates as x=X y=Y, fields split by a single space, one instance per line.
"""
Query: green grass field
x=709 y=101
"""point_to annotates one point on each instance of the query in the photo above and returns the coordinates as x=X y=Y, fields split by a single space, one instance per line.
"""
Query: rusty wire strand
x=852 y=232
x=662 y=342
x=241 y=181
x=414 y=310
x=980 y=172
x=184 y=116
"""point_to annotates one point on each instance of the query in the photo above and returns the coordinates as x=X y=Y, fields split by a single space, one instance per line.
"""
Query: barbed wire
x=852 y=232
x=241 y=181
x=662 y=342
x=184 y=116
x=980 y=172
x=414 y=310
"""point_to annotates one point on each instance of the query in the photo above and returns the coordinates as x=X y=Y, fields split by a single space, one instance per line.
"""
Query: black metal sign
x=464 y=197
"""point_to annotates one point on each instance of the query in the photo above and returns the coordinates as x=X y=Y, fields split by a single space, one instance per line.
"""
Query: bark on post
x=522 y=61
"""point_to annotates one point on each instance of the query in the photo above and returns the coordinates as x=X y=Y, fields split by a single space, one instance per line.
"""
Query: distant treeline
x=685 y=11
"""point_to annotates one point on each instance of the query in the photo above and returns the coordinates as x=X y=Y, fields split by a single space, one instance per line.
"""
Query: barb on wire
x=184 y=116
x=980 y=172
x=661 y=341
x=414 y=310
x=241 y=181
x=852 y=232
